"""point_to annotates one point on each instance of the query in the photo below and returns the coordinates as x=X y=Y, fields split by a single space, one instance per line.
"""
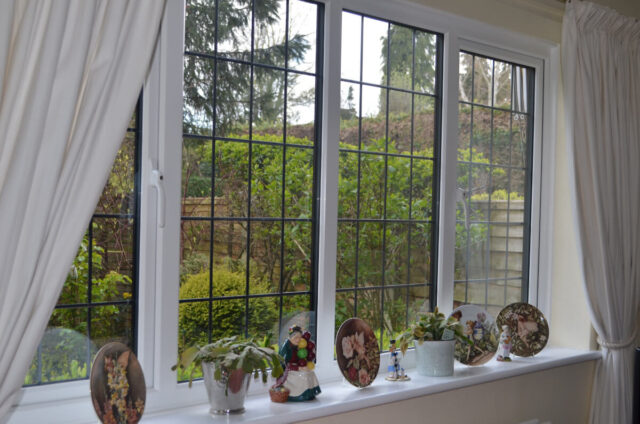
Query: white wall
x=559 y=396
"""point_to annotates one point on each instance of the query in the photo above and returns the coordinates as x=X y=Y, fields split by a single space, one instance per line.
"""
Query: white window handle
x=157 y=180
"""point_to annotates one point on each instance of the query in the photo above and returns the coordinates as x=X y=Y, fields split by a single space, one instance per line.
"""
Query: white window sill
x=339 y=396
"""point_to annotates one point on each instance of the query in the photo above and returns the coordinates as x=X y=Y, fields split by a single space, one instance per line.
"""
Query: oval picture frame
x=357 y=352
x=118 y=389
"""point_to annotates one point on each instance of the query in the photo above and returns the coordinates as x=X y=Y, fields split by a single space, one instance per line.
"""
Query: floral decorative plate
x=529 y=328
x=118 y=391
x=480 y=327
x=358 y=352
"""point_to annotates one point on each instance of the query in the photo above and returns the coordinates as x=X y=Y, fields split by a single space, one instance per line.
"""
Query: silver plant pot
x=435 y=358
x=225 y=400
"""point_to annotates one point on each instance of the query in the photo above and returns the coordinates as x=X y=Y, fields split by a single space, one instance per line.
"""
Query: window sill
x=339 y=396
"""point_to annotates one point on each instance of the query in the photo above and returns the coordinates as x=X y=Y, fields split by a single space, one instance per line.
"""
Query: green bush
x=228 y=316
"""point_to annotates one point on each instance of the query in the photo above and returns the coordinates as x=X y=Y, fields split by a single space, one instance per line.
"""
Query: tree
x=233 y=80
x=402 y=69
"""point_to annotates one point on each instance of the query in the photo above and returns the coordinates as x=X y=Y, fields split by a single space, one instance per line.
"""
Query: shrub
x=227 y=316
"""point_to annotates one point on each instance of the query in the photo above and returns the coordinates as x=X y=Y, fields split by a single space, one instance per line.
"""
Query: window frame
x=160 y=214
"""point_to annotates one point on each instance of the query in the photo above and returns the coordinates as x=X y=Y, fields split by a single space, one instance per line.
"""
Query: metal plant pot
x=435 y=358
x=225 y=399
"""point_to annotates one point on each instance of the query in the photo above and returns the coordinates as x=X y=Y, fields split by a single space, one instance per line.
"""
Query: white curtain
x=70 y=74
x=601 y=76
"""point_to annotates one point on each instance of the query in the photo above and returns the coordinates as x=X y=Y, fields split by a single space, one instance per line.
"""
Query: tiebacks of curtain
x=619 y=345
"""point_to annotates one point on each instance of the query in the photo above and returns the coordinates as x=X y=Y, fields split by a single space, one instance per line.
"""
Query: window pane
x=482 y=81
x=234 y=26
x=270 y=37
x=197 y=95
x=302 y=35
x=346 y=260
x=268 y=104
x=119 y=196
x=400 y=57
x=425 y=58
x=196 y=177
x=232 y=99
x=374 y=58
x=264 y=89
x=491 y=231
x=351 y=45
x=301 y=110
x=374 y=100
x=386 y=173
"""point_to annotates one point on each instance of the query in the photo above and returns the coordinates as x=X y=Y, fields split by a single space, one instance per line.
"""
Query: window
x=249 y=175
x=494 y=182
x=387 y=194
x=414 y=206
x=98 y=301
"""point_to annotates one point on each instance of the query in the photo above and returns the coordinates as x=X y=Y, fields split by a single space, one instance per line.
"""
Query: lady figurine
x=299 y=353
x=505 y=345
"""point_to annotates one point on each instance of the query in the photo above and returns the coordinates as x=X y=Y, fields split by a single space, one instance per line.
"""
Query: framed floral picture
x=529 y=328
x=357 y=352
x=118 y=390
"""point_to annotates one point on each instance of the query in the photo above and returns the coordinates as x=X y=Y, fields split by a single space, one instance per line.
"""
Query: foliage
x=228 y=316
x=229 y=354
x=112 y=286
x=63 y=356
x=64 y=346
x=498 y=195
x=404 y=70
x=431 y=326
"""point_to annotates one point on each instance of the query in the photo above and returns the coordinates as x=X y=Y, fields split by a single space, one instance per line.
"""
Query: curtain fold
x=601 y=68
x=70 y=74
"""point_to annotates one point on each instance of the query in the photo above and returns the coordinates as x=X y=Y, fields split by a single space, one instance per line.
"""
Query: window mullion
x=448 y=164
x=329 y=185
x=159 y=265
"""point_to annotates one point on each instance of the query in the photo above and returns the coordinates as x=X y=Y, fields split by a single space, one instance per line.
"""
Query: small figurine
x=396 y=372
x=299 y=353
x=505 y=345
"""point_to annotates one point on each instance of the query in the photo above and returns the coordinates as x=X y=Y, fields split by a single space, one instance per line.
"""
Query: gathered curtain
x=70 y=74
x=601 y=78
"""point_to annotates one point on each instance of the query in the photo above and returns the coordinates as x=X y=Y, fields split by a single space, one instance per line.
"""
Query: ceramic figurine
x=299 y=353
x=505 y=345
x=396 y=372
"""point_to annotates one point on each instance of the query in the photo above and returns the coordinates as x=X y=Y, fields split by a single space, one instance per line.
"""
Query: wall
x=559 y=395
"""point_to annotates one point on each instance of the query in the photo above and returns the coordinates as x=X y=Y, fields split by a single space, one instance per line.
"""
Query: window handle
x=157 y=180
x=461 y=197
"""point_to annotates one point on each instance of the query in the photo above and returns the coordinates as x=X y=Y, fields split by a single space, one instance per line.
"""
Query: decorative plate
x=480 y=327
x=118 y=390
x=358 y=352
x=529 y=328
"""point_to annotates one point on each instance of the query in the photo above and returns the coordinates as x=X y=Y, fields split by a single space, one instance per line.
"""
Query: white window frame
x=162 y=148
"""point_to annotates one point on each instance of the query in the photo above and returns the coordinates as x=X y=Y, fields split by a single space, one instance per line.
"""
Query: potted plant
x=227 y=366
x=434 y=337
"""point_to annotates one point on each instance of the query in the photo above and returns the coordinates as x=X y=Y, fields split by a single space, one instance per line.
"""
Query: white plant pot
x=435 y=358
x=225 y=399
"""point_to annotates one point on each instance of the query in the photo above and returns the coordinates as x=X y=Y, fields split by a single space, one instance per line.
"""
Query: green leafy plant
x=230 y=354
x=431 y=326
